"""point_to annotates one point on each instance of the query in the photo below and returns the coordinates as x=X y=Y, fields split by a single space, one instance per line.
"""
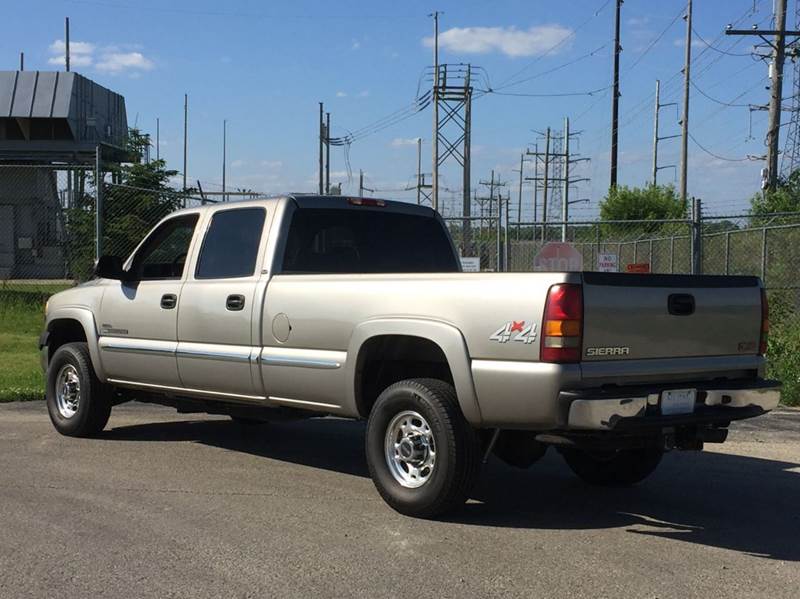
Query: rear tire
x=621 y=468
x=78 y=403
x=423 y=456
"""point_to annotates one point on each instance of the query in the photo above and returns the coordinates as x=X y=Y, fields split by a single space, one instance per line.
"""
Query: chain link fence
x=48 y=223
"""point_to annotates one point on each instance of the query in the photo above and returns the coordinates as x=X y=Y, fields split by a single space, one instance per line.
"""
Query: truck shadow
x=726 y=501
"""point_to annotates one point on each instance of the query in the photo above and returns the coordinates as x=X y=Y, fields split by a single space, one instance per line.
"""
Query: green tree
x=138 y=196
x=784 y=198
x=655 y=202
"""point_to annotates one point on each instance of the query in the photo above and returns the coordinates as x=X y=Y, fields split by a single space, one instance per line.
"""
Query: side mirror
x=110 y=267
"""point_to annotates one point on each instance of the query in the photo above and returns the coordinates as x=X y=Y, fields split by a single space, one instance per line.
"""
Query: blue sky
x=264 y=66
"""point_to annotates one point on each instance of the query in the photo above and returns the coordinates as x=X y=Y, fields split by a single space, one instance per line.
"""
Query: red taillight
x=366 y=202
x=562 y=326
x=762 y=349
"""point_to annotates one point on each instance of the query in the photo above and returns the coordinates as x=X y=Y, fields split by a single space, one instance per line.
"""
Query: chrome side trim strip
x=150 y=347
x=137 y=384
x=316 y=404
x=211 y=351
x=303 y=358
x=300 y=362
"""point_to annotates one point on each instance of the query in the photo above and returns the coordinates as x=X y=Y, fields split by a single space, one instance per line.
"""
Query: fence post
x=697 y=236
x=98 y=217
x=727 y=252
x=764 y=256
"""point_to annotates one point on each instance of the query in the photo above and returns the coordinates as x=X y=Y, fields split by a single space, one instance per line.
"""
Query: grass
x=22 y=316
x=21 y=319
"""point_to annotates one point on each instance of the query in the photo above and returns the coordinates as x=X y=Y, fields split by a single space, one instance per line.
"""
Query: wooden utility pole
x=224 y=156
x=419 y=170
x=655 y=133
x=66 y=43
x=185 y=136
x=435 y=148
x=327 y=153
x=360 y=183
x=22 y=61
x=778 y=45
x=321 y=138
x=565 y=194
x=615 y=98
x=685 y=117
x=158 y=139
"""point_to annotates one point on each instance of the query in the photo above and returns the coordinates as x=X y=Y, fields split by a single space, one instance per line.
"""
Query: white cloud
x=363 y=93
x=637 y=21
x=80 y=53
x=355 y=45
x=398 y=142
x=237 y=164
x=116 y=62
x=273 y=164
x=341 y=94
x=681 y=43
x=110 y=59
x=510 y=41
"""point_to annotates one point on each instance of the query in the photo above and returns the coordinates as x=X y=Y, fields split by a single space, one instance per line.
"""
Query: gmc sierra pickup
x=352 y=307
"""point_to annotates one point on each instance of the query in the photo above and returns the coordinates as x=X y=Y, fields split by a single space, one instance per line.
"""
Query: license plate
x=678 y=401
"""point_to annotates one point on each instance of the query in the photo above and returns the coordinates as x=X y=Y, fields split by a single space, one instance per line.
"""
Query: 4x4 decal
x=515 y=330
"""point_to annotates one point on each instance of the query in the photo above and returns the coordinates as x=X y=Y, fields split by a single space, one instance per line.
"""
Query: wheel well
x=387 y=359
x=63 y=331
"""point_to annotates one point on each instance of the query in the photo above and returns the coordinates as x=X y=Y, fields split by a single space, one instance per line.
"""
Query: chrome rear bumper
x=602 y=412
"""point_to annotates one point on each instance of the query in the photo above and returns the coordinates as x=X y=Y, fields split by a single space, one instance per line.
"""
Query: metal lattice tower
x=790 y=161
x=453 y=130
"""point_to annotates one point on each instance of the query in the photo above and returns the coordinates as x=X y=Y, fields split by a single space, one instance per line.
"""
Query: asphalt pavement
x=169 y=505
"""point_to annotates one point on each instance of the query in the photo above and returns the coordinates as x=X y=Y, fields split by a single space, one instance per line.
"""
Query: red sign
x=639 y=267
x=558 y=257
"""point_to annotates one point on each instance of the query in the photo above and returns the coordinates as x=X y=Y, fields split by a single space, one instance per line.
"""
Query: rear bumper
x=639 y=408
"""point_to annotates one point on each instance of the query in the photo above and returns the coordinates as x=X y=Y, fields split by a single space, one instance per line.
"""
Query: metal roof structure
x=57 y=116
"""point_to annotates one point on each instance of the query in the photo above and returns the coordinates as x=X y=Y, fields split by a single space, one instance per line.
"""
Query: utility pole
x=22 y=61
x=327 y=153
x=185 y=135
x=321 y=138
x=565 y=196
x=435 y=149
x=158 y=139
x=492 y=183
x=546 y=173
x=66 y=43
x=419 y=170
x=519 y=195
x=778 y=45
x=656 y=138
x=655 y=132
x=615 y=98
x=360 y=183
x=224 y=156
x=685 y=117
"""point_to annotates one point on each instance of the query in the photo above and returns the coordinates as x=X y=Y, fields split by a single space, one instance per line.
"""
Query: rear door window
x=366 y=241
x=230 y=248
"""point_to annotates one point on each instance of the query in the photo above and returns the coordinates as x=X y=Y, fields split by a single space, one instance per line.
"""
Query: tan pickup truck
x=312 y=306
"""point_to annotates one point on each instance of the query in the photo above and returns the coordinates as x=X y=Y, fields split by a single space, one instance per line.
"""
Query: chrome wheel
x=68 y=390
x=410 y=449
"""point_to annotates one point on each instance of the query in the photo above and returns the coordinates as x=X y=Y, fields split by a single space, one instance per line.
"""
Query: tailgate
x=633 y=317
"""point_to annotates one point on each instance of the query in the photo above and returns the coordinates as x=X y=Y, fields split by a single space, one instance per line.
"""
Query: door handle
x=234 y=303
x=169 y=301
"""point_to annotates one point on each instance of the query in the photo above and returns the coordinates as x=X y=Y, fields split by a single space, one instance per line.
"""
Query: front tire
x=621 y=468
x=422 y=454
x=78 y=403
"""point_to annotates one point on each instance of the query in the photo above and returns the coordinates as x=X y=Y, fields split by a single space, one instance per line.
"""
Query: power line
x=710 y=153
x=728 y=104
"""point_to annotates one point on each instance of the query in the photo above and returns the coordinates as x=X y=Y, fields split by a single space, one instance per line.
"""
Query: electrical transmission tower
x=452 y=132
x=790 y=161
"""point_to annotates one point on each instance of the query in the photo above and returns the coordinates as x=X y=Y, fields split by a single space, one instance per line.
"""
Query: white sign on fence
x=471 y=263
x=607 y=263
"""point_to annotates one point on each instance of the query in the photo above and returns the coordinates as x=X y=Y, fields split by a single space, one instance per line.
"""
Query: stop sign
x=558 y=256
